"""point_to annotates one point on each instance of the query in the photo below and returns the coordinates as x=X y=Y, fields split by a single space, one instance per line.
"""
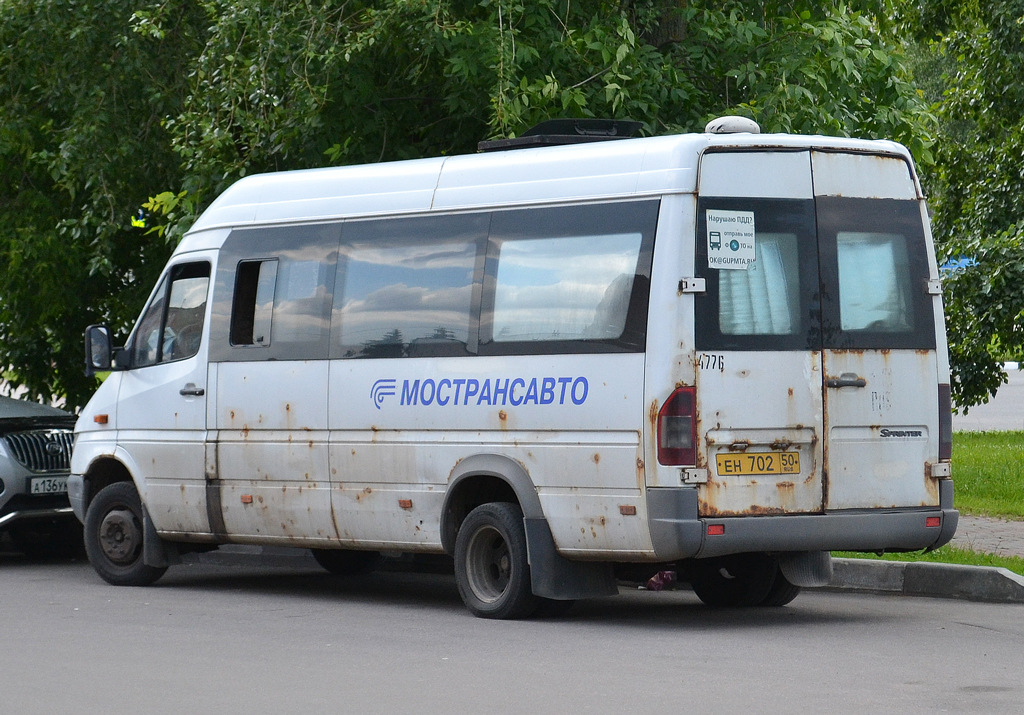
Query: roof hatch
x=558 y=132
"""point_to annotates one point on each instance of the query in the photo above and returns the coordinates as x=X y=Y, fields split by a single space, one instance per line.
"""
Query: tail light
x=945 y=423
x=677 y=428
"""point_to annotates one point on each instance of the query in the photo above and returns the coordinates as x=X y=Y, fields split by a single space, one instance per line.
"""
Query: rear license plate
x=757 y=463
x=48 y=485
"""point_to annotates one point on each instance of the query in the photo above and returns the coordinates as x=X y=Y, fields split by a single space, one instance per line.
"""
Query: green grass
x=988 y=473
x=946 y=555
x=988 y=478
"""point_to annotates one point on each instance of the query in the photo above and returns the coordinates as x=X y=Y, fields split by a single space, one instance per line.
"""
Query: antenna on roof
x=732 y=125
x=558 y=132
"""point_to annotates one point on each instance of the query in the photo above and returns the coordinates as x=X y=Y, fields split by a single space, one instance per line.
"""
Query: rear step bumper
x=677 y=532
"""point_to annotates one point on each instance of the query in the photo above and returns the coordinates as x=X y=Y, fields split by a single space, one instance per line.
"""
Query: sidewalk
x=990 y=536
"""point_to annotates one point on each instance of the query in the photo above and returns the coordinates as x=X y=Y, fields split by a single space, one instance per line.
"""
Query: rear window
x=874 y=252
x=836 y=273
x=761 y=270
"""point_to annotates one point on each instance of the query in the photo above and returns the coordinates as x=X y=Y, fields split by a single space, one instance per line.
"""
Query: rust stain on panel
x=931 y=485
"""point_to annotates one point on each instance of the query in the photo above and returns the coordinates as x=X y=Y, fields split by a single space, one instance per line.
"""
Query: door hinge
x=692 y=285
x=934 y=287
x=693 y=475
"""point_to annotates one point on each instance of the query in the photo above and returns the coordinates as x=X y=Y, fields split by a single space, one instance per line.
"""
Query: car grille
x=47 y=450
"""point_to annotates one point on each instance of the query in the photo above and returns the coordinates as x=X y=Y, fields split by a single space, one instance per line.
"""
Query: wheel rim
x=489 y=564
x=120 y=536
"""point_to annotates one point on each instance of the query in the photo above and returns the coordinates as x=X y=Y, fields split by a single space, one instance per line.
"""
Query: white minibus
x=721 y=354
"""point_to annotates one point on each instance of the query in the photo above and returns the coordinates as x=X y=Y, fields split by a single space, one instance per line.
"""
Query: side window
x=172 y=326
x=273 y=295
x=759 y=260
x=565 y=288
x=875 y=269
x=406 y=287
x=573 y=279
x=253 y=309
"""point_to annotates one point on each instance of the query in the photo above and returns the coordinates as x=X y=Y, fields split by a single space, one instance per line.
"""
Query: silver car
x=35 y=452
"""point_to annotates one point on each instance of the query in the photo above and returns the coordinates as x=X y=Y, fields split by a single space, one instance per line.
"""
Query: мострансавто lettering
x=513 y=391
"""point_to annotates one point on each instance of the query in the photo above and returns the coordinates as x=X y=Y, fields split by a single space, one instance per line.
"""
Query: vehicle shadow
x=408 y=588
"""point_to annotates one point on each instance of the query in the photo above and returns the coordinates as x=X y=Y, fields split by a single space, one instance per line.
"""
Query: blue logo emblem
x=381 y=389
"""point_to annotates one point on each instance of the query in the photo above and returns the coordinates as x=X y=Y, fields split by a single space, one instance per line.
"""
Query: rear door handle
x=190 y=390
x=847 y=379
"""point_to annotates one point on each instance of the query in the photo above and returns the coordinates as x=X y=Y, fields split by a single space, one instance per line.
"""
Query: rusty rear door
x=879 y=359
x=757 y=336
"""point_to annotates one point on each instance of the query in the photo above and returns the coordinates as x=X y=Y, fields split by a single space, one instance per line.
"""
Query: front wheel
x=491 y=567
x=114 y=537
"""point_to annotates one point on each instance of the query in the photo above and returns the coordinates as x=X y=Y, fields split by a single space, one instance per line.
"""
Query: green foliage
x=977 y=186
x=81 y=147
x=107 y=107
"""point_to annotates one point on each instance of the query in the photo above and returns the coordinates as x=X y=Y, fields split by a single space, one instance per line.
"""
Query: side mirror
x=97 y=349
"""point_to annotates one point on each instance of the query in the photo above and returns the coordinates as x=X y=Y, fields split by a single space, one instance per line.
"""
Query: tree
x=977 y=186
x=81 y=147
x=218 y=89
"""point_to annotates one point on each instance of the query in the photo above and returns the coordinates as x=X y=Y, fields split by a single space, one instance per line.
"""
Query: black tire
x=114 y=537
x=781 y=592
x=735 y=581
x=491 y=567
x=343 y=562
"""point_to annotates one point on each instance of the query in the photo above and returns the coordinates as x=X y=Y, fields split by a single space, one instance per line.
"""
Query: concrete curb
x=971 y=583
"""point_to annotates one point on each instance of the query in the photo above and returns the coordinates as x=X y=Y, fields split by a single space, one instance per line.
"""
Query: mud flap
x=807 y=568
x=555 y=577
x=155 y=551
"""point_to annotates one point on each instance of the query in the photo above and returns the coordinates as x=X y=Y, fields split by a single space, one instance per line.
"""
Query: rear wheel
x=738 y=580
x=781 y=593
x=114 y=537
x=341 y=562
x=491 y=567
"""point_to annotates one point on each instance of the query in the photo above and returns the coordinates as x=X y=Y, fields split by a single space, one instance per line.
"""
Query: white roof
x=602 y=170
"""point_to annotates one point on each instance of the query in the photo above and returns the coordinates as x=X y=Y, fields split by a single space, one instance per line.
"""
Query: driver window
x=172 y=326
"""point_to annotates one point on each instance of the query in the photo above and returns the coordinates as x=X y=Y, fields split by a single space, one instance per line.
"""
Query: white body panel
x=569 y=420
x=272 y=449
x=161 y=435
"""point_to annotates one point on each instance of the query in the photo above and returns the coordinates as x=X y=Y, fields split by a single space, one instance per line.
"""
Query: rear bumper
x=677 y=532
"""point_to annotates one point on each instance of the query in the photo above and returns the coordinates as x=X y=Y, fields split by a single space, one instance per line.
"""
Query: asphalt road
x=244 y=639
x=1005 y=411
